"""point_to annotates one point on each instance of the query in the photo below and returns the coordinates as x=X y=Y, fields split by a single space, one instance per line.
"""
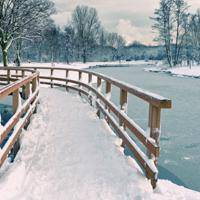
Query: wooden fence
x=24 y=93
x=115 y=115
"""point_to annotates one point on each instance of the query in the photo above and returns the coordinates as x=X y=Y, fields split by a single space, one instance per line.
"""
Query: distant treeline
x=84 y=39
x=28 y=34
x=42 y=51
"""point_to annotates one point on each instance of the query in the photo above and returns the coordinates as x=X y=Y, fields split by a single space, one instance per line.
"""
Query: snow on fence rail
x=117 y=118
x=24 y=93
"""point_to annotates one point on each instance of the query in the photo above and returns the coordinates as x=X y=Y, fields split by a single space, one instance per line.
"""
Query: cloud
x=62 y=18
x=119 y=15
x=131 y=33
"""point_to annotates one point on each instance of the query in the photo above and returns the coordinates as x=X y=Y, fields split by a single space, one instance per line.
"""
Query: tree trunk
x=67 y=56
x=18 y=60
x=84 y=56
x=5 y=58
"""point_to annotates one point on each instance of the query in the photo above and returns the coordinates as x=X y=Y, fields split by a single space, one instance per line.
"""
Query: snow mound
x=177 y=71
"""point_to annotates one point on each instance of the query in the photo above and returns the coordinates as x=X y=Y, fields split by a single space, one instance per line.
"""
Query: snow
x=75 y=65
x=79 y=65
x=178 y=71
x=68 y=153
x=186 y=71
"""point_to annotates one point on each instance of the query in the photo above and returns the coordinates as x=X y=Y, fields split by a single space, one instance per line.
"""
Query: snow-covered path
x=67 y=153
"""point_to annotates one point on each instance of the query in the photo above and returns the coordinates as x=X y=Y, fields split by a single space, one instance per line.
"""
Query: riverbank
x=79 y=65
x=193 y=72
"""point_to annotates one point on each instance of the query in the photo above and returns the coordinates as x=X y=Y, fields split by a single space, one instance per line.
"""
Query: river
x=180 y=139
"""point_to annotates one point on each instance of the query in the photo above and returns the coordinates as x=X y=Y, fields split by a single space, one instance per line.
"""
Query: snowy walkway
x=69 y=154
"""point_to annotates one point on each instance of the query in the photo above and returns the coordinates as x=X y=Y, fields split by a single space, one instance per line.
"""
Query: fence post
x=27 y=93
x=16 y=104
x=90 y=84
x=99 y=89
x=8 y=76
x=34 y=84
x=123 y=104
x=108 y=96
x=80 y=80
x=154 y=127
x=123 y=108
x=108 y=91
x=16 y=99
x=23 y=74
x=51 y=78
x=27 y=90
x=67 y=76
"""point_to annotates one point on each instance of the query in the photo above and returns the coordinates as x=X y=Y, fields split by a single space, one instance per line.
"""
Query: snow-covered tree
x=164 y=25
x=194 y=33
x=86 y=25
x=21 y=19
x=117 y=42
x=69 y=42
x=181 y=28
x=170 y=22
x=52 y=41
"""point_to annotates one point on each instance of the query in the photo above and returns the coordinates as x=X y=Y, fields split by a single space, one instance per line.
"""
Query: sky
x=129 y=18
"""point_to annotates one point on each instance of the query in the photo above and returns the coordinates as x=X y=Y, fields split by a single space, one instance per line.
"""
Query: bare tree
x=21 y=19
x=52 y=40
x=86 y=25
x=69 y=42
x=194 y=33
x=181 y=27
x=171 y=23
x=103 y=37
x=117 y=43
x=164 y=25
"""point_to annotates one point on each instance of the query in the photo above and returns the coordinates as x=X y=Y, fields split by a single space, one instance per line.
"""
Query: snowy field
x=76 y=65
x=68 y=153
x=80 y=65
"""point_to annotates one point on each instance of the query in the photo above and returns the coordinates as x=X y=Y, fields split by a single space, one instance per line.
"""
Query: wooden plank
x=8 y=76
x=23 y=73
x=6 y=149
x=152 y=98
x=16 y=99
x=90 y=84
x=51 y=77
x=99 y=85
x=15 y=118
x=123 y=105
x=108 y=90
x=5 y=91
x=154 y=124
x=67 y=76
x=34 y=84
x=99 y=89
x=80 y=80
x=27 y=90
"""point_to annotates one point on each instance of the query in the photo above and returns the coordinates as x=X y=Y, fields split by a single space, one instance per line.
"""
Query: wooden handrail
x=21 y=112
x=150 y=97
x=123 y=125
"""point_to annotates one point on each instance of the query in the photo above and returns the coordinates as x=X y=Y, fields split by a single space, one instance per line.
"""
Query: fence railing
x=24 y=93
x=91 y=84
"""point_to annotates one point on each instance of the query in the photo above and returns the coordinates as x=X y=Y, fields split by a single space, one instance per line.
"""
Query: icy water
x=180 y=140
